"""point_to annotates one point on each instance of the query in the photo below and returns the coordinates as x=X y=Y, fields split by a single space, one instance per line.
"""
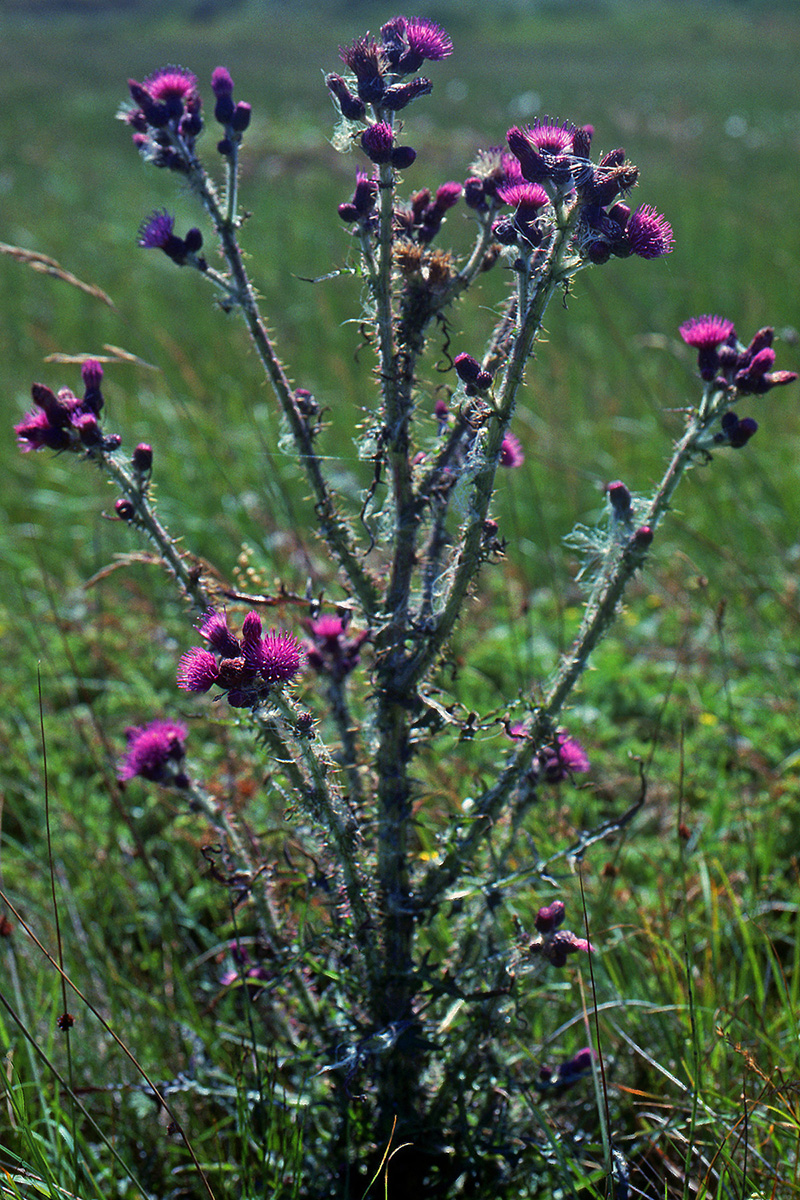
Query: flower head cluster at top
x=377 y=87
x=156 y=752
x=63 y=421
x=732 y=369
x=246 y=668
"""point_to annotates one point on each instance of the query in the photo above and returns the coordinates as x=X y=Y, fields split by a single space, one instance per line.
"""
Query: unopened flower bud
x=241 y=117
x=402 y=157
x=124 y=509
x=619 y=498
x=142 y=459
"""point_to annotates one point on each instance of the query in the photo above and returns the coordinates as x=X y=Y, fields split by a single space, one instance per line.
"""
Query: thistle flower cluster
x=730 y=369
x=166 y=117
x=328 y=650
x=553 y=943
x=63 y=421
x=247 y=669
x=724 y=362
x=554 y=763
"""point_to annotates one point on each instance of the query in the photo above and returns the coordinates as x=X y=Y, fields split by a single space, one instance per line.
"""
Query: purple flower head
x=174 y=86
x=377 y=142
x=545 y=154
x=197 y=670
x=511 y=452
x=166 y=95
x=563 y=943
x=706 y=332
x=562 y=760
x=365 y=59
x=155 y=232
x=649 y=233
x=280 y=657
x=214 y=628
x=409 y=41
x=156 y=752
x=520 y=194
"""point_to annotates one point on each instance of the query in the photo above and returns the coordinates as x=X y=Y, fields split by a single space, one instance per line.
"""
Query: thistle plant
x=390 y=1001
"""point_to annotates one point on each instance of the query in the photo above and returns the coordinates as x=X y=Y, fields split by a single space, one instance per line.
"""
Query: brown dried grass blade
x=49 y=266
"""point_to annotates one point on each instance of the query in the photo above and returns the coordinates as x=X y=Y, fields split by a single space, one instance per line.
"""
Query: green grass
x=694 y=907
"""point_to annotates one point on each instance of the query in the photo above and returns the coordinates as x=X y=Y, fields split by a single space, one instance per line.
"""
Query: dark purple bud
x=400 y=94
x=241 y=117
x=402 y=157
x=505 y=231
x=193 y=241
x=740 y=435
x=474 y=193
x=350 y=106
x=598 y=252
x=111 y=442
x=468 y=368
x=620 y=498
x=88 y=429
x=142 y=459
x=224 y=109
x=225 y=147
x=550 y=916
x=124 y=509
x=643 y=537
x=92 y=374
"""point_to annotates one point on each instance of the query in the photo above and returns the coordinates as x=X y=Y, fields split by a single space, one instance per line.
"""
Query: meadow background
x=696 y=908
